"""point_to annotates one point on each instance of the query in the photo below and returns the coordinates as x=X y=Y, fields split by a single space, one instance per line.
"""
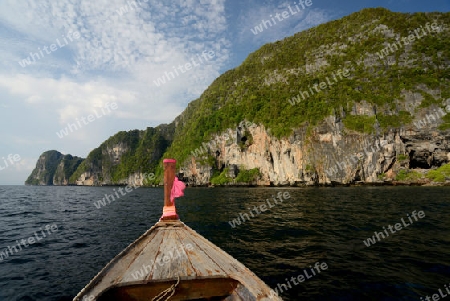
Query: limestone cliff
x=328 y=156
x=362 y=99
x=53 y=168
x=66 y=167
x=125 y=158
x=349 y=101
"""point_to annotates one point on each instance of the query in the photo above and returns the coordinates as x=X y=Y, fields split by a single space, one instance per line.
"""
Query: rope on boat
x=163 y=295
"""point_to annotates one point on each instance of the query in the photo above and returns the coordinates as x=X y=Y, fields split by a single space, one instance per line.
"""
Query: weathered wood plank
x=172 y=259
x=233 y=297
x=123 y=264
x=203 y=265
x=113 y=271
x=231 y=266
x=143 y=265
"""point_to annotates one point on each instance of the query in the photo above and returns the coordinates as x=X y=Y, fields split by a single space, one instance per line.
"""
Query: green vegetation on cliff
x=259 y=90
x=45 y=168
x=66 y=168
x=126 y=153
x=276 y=86
x=243 y=177
x=53 y=168
x=440 y=174
x=248 y=176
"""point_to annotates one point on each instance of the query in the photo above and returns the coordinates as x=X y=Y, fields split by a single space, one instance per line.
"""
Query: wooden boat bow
x=173 y=262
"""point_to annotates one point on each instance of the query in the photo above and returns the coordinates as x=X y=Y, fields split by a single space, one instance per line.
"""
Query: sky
x=75 y=72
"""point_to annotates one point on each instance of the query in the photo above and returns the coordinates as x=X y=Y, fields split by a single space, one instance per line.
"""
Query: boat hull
x=173 y=259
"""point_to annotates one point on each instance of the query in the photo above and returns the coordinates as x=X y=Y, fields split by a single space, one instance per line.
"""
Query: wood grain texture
x=169 y=251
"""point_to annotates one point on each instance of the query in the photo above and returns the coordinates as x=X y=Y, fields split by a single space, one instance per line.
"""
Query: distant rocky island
x=360 y=100
x=53 y=168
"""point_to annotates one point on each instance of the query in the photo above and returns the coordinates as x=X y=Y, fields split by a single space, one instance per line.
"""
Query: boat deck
x=172 y=255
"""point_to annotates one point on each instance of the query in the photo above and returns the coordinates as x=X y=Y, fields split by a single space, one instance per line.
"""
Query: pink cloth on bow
x=177 y=190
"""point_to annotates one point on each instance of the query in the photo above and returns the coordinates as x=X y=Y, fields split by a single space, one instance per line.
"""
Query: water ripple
x=314 y=225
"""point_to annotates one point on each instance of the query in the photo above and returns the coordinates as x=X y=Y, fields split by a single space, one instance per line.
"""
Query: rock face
x=66 y=167
x=53 y=168
x=329 y=156
x=99 y=172
x=345 y=102
x=382 y=120
x=126 y=158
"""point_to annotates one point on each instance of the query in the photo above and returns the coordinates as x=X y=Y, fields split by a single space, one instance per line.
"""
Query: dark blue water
x=314 y=225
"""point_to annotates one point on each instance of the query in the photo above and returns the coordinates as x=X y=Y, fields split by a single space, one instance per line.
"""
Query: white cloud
x=69 y=99
x=25 y=164
x=124 y=45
